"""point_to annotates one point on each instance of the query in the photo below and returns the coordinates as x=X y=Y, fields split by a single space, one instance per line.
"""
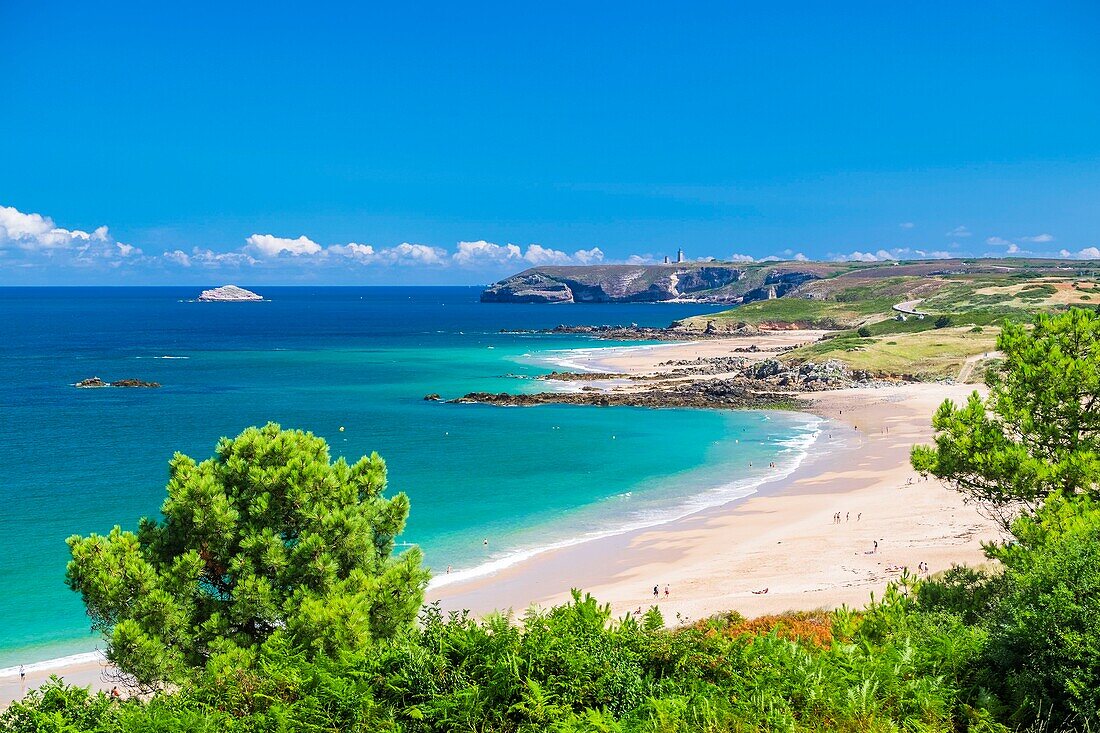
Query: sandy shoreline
x=782 y=538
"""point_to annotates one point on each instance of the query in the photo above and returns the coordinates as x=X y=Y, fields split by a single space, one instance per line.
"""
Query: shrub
x=1045 y=633
x=864 y=331
x=942 y=322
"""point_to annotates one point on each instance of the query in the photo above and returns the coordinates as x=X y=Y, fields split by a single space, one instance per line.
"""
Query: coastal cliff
x=701 y=282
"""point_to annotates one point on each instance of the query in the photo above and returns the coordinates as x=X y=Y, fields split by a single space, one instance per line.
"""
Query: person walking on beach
x=876 y=546
x=656 y=592
x=22 y=674
x=666 y=590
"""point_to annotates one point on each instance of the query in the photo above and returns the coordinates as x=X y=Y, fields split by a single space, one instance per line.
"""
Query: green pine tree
x=1037 y=432
x=266 y=539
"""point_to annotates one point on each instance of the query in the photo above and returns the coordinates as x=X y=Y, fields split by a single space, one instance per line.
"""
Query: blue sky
x=413 y=143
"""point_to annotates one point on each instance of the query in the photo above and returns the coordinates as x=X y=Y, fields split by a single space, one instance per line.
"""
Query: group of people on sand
x=847 y=517
x=922 y=568
x=657 y=591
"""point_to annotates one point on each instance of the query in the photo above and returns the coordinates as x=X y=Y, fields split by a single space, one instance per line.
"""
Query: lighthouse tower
x=680 y=255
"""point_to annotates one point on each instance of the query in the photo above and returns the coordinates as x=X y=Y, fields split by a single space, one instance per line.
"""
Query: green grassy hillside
x=964 y=301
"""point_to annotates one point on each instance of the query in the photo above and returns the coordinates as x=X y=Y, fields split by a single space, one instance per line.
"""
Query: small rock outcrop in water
x=95 y=382
x=228 y=293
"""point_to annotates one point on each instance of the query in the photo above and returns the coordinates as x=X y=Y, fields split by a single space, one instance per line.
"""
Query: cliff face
x=699 y=282
x=616 y=284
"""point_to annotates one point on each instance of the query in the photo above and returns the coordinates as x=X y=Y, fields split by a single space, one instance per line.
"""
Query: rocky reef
x=726 y=382
x=228 y=294
x=96 y=382
x=727 y=394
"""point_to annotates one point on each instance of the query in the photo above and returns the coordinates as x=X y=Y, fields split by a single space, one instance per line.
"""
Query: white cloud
x=907 y=225
x=959 y=231
x=37 y=232
x=799 y=257
x=934 y=255
x=858 y=256
x=735 y=257
x=1013 y=249
x=1039 y=238
x=646 y=259
x=268 y=245
x=360 y=252
x=413 y=254
x=588 y=256
x=35 y=240
x=178 y=256
x=1088 y=253
x=538 y=255
x=210 y=258
x=881 y=255
x=480 y=253
x=997 y=241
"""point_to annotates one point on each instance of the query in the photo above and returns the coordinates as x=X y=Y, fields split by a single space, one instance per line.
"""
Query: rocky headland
x=695 y=282
x=228 y=294
x=753 y=381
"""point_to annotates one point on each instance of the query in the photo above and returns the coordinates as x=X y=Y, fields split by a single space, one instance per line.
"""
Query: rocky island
x=95 y=382
x=228 y=294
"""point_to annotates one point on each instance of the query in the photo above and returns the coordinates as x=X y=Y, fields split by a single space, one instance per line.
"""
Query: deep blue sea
x=81 y=461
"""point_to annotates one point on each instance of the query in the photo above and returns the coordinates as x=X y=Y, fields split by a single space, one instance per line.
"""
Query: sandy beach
x=783 y=538
x=81 y=669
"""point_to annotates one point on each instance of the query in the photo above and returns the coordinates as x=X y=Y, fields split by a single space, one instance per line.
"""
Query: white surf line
x=56 y=663
x=798 y=445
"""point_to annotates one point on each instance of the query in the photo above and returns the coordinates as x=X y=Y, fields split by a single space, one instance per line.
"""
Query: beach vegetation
x=1038 y=430
x=268 y=542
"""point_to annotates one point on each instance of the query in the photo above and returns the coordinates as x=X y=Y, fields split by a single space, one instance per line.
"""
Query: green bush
x=966 y=592
x=1045 y=633
x=864 y=331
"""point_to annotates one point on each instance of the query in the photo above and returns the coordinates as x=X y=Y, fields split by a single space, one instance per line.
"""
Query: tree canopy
x=1037 y=432
x=268 y=538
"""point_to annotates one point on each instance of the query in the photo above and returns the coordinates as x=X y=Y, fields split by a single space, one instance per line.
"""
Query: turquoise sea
x=80 y=461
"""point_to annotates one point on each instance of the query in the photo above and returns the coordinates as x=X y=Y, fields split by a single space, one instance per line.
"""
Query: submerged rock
x=228 y=293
